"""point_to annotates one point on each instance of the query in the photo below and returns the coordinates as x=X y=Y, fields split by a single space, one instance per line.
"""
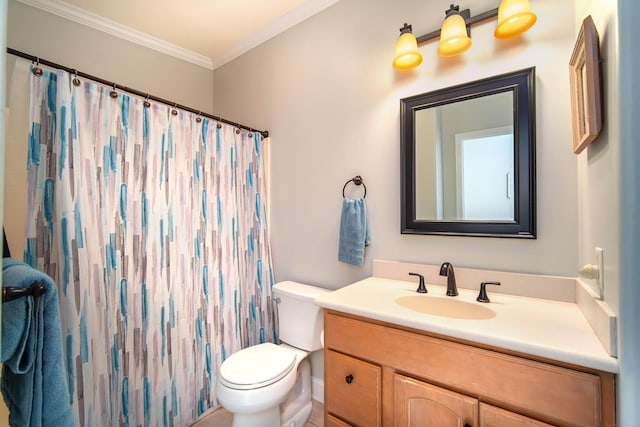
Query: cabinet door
x=352 y=389
x=334 y=422
x=490 y=416
x=419 y=404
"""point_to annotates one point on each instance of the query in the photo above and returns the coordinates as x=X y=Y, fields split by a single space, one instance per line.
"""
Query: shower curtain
x=152 y=223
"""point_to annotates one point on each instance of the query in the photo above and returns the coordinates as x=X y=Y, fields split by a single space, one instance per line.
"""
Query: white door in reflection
x=485 y=174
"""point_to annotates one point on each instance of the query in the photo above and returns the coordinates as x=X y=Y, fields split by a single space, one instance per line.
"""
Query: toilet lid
x=256 y=366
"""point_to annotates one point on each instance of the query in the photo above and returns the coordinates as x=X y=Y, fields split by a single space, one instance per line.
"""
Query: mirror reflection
x=464 y=160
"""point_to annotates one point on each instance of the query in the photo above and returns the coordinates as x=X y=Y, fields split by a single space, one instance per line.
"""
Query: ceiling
x=206 y=32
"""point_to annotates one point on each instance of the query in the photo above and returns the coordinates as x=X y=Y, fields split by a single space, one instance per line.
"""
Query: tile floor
x=221 y=418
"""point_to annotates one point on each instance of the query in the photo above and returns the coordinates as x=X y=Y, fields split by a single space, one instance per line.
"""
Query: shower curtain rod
x=38 y=60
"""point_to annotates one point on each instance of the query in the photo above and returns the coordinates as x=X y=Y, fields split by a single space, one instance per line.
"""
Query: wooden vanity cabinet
x=417 y=403
x=330 y=421
x=378 y=374
x=490 y=416
x=355 y=389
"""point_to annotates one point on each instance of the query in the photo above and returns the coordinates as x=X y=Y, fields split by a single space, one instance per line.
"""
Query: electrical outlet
x=599 y=262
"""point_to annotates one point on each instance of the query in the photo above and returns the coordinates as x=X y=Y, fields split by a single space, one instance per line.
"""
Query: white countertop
x=551 y=329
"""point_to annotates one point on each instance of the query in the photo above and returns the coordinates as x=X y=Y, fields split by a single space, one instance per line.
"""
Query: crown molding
x=272 y=29
x=277 y=26
x=81 y=16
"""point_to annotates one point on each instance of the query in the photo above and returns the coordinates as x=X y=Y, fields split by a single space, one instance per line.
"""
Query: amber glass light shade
x=453 y=36
x=514 y=18
x=407 y=55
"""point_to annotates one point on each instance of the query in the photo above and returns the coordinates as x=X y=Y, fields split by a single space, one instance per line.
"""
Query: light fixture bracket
x=453 y=9
x=468 y=19
x=406 y=28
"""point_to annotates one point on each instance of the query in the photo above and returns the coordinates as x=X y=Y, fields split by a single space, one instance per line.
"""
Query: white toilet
x=269 y=385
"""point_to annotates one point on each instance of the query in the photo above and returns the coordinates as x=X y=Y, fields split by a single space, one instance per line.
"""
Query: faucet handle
x=421 y=288
x=482 y=296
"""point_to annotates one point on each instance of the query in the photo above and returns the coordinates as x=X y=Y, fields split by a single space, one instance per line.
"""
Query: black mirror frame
x=522 y=84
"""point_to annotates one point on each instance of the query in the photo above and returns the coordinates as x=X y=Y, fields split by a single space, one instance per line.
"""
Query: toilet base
x=267 y=418
x=296 y=409
x=298 y=419
x=293 y=410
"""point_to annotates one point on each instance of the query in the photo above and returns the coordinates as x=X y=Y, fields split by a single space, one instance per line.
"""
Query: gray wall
x=607 y=188
x=598 y=184
x=77 y=46
x=326 y=91
x=629 y=381
x=328 y=94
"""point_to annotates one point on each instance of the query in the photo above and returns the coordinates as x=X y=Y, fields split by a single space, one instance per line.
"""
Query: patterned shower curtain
x=153 y=226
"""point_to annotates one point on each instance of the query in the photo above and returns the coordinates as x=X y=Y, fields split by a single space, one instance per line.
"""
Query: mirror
x=468 y=158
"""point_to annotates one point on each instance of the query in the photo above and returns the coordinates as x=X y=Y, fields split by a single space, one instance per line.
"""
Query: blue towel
x=354 y=231
x=34 y=384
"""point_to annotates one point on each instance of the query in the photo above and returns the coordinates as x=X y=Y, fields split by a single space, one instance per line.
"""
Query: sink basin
x=446 y=307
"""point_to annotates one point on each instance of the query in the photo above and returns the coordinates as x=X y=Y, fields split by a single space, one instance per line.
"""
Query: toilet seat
x=257 y=366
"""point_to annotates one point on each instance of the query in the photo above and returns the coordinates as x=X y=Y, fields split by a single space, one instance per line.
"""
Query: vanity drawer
x=544 y=391
x=352 y=389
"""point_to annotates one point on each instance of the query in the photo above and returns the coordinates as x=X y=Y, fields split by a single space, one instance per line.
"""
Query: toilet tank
x=300 y=319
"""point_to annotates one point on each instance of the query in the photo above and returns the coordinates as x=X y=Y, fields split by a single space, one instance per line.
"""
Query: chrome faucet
x=446 y=269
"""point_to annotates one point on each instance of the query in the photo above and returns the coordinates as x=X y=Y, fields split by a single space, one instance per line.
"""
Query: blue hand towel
x=354 y=231
x=34 y=384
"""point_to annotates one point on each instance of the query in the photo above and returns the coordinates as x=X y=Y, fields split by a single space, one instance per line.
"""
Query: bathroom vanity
x=390 y=365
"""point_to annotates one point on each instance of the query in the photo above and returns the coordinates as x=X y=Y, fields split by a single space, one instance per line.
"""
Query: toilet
x=269 y=385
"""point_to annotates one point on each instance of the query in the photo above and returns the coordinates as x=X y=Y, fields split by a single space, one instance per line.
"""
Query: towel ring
x=357 y=180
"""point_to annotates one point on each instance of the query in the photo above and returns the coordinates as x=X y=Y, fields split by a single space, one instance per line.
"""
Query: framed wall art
x=585 y=80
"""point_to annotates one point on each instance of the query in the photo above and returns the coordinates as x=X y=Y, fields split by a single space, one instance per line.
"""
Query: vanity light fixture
x=407 y=55
x=514 y=18
x=454 y=34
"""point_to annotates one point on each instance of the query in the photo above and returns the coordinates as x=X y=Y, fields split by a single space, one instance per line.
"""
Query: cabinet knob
x=349 y=379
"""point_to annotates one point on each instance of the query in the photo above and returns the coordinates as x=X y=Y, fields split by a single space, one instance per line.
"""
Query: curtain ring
x=147 y=104
x=198 y=118
x=174 y=112
x=219 y=126
x=237 y=131
x=113 y=93
x=250 y=134
x=37 y=71
x=76 y=80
